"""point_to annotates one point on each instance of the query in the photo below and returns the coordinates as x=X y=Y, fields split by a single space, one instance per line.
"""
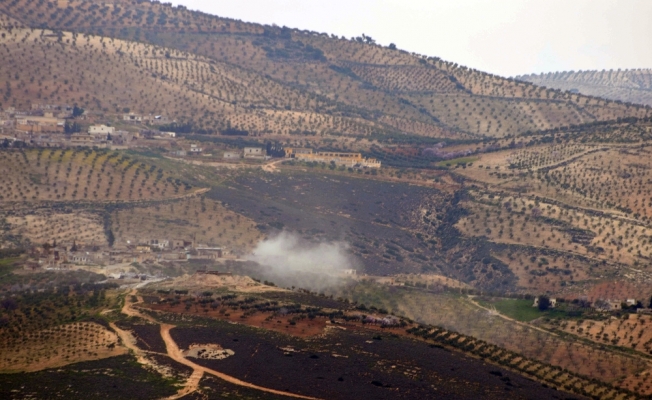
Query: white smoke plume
x=293 y=261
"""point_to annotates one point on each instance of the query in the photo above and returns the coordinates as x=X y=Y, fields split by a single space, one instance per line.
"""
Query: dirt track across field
x=175 y=353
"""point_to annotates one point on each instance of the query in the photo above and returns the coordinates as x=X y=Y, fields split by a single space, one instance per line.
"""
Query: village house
x=101 y=130
x=156 y=119
x=195 y=149
x=179 y=243
x=59 y=111
x=131 y=117
x=208 y=253
x=159 y=243
x=254 y=152
x=82 y=139
x=553 y=302
x=122 y=137
x=143 y=248
x=79 y=258
x=32 y=124
x=338 y=158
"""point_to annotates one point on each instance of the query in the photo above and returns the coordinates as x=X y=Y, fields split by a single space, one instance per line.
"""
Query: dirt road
x=271 y=167
x=175 y=353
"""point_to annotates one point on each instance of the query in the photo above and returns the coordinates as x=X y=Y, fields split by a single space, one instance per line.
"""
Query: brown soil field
x=303 y=328
x=200 y=219
x=621 y=290
x=204 y=282
x=58 y=346
x=545 y=274
x=630 y=331
x=428 y=280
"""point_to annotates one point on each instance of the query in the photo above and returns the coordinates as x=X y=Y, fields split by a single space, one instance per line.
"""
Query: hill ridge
x=315 y=83
x=629 y=85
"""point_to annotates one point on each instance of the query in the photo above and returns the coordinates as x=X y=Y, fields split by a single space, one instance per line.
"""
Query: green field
x=7 y=265
x=520 y=310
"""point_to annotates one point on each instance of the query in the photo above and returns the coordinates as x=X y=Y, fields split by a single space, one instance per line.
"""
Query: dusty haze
x=289 y=260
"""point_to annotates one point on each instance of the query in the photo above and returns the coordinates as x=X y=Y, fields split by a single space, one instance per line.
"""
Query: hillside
x=630 y=85
x=83 y=175
x=272 y=80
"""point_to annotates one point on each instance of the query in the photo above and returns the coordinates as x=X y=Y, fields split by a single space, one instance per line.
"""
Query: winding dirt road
x=175 y=353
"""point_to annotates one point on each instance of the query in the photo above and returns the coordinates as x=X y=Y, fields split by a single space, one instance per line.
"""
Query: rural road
x=505 y=317
x=175 y=353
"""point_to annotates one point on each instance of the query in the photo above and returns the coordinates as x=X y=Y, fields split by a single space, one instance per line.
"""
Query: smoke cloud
x=289 y=260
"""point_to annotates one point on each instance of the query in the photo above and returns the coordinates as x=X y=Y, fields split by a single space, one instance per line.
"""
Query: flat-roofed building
x=32 y=124
x=101 y=130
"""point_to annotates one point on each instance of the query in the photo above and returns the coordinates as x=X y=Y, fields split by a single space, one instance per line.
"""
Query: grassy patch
x=520 y=310
x=7 y=265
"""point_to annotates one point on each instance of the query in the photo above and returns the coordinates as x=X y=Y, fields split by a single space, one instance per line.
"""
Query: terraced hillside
x=266 y=79
x=83 y=175
x=42 y=66
x=206 y=221
x=630 y=85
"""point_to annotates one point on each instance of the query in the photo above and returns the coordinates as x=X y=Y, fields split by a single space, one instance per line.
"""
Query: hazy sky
x=506 y=37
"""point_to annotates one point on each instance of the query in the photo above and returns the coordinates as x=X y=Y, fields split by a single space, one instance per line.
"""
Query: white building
x=254 y=152
x=101 y=130
x=132 y=117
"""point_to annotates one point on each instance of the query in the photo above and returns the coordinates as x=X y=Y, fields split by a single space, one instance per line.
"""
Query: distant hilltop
x=629 y=85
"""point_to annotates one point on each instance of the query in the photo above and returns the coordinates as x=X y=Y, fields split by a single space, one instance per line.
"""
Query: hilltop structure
x=346 y=159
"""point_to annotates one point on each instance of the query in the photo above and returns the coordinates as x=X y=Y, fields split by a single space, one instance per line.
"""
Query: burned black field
x=354 y=365
x=391 y=227
x=147 y=336
x=373 y=216
x=112 y=378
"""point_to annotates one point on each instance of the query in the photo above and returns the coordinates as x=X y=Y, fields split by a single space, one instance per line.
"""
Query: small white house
x=231 y=155
x=132 y=117
x=254 y=152
x=101 y=130
x=553 y=302
x=195 y=149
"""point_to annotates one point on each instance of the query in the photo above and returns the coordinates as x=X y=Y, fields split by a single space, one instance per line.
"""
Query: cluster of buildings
x=56 y=126
x=149 y=119
x=49 y=125
x=40 y=119
x=256 y=153
x=346 y=159
x=61 y=257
